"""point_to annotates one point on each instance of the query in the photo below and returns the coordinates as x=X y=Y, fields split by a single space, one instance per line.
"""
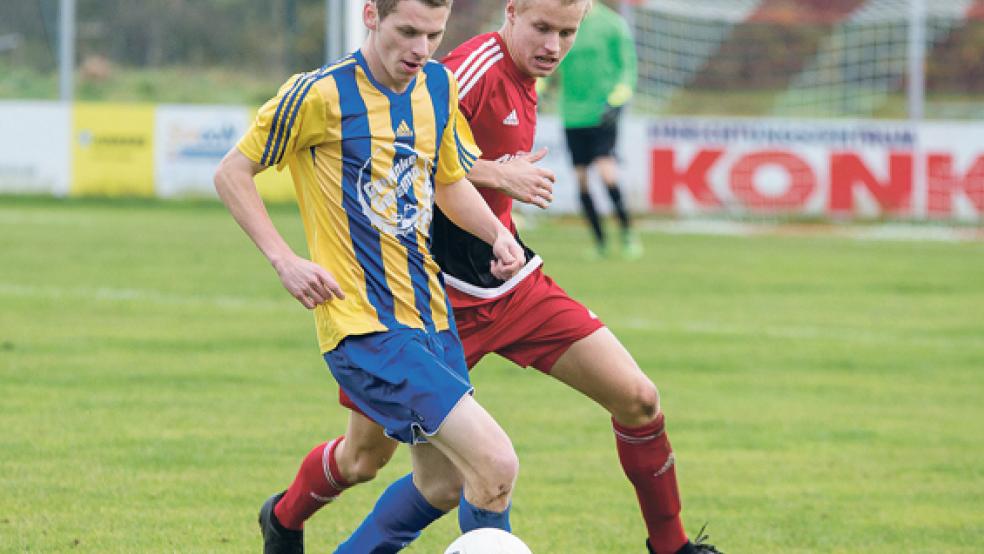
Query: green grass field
x=157 y=384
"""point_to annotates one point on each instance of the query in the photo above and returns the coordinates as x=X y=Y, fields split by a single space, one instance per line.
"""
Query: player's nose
x=420 y=47
x=552 y=44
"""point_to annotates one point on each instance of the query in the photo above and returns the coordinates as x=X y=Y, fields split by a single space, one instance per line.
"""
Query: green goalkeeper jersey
x=599 y=71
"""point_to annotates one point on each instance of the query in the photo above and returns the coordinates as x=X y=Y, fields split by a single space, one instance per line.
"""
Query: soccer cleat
x=699 y=547
x=278 y=539
x=631 y=248
x=597 y=253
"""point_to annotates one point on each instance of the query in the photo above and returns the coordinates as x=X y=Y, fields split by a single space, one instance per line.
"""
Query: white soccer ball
x=488 y=541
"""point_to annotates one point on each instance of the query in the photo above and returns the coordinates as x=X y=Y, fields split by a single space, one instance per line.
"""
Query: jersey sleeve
x=468 y=105
x=458 y=149
x=628 y=62
x=293 y=120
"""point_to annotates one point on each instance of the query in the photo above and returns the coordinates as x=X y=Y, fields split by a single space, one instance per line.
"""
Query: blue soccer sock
x=470 y=517
x=399 y=516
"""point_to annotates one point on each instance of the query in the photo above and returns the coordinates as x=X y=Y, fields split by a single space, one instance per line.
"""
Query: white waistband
x=479 y=292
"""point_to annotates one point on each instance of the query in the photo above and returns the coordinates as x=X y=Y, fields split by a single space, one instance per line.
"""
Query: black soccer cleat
x=699 y=547
x=278 y=539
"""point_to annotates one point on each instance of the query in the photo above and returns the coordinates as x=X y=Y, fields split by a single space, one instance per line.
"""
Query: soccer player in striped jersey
x=373 y=142
x=528 y=318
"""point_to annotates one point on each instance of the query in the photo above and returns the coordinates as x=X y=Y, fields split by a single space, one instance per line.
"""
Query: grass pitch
x=157 y=384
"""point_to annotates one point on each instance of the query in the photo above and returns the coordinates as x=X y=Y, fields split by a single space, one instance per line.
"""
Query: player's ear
x=511 y=11
x=370 y=15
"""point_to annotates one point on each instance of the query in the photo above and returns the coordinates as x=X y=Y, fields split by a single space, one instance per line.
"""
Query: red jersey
x=499 y=102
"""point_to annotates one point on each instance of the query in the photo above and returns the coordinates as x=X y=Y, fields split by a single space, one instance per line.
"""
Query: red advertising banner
x=817 y=168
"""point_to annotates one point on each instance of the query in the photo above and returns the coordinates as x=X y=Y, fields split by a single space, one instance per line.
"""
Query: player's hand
x=523 y=180
x=509 y=256
x=307 y=281
x=610 y=116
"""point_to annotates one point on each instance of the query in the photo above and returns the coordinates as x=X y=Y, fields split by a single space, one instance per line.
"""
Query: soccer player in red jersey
x=528 y=318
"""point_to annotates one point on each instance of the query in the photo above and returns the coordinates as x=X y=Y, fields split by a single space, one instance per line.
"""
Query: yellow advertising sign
x=113 y=150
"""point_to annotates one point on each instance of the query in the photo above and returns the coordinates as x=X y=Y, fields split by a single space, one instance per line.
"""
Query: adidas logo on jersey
x=511 y=119
x=404 y=130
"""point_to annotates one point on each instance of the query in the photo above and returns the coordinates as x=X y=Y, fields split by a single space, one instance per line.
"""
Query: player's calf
x=359 y=462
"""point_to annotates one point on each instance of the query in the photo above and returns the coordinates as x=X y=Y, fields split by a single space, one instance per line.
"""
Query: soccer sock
x=470 y=517
x=623 y=216
x=648 y=462
x=587 y=205
x=399 y=516
x=318 y=482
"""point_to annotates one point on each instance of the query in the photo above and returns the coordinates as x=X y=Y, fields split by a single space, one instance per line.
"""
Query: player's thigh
x=602 y=369
x=475 y=443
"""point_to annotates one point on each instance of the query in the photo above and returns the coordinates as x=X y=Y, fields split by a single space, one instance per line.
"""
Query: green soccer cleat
x=278 y=539
x=596 y=253
x=632 y=248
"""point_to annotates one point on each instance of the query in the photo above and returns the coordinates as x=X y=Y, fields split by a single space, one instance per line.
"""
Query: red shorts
x=531 y=325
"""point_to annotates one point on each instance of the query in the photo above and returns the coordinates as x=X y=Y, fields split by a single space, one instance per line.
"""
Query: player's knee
x=366 y=464
x=496 y=481
x=640 y=406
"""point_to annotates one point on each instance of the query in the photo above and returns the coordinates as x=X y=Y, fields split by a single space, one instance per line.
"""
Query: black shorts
x=586 y=144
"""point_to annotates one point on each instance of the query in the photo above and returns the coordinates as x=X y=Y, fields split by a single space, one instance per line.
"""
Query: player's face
x=539 y=33
x=401 y=43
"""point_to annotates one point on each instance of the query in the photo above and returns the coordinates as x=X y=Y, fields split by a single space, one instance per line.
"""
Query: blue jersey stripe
x=447 y=305
x=295 y=97
x=296 y=108
x=438 y=87
x=356 y=150
x=401 y=111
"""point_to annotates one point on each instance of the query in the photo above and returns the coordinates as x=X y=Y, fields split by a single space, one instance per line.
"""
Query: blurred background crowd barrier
x=745 y=108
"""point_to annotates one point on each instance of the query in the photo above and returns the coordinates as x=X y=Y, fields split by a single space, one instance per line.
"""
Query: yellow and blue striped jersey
x=365 y=161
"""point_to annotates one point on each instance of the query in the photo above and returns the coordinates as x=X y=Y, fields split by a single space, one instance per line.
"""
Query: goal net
x=825 y=58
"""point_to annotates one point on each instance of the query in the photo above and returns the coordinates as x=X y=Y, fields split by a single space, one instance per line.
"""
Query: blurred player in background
x=596 y=80
x=373 y=142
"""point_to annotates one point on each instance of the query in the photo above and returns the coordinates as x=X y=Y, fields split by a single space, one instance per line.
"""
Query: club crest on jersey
x=391 y=203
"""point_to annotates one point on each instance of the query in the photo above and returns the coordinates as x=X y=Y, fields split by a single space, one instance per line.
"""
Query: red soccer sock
x=648 y=461
x=318 y=482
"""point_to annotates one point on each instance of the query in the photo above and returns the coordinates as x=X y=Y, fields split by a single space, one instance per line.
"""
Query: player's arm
x=518 y=177
x=306 y=281
x=466 y=208
x=626 y=63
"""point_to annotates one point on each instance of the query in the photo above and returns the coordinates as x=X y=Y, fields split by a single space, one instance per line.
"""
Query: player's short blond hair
x=523 y=4
x=385 y=7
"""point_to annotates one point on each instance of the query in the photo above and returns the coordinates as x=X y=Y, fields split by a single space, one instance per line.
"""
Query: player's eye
x=435 y=36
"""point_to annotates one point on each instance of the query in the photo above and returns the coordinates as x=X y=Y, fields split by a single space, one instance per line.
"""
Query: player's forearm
x=486 y=174
x=237 y=189
x=466 y=208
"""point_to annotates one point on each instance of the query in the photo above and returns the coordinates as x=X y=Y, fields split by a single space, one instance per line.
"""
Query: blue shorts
x=406 y=380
